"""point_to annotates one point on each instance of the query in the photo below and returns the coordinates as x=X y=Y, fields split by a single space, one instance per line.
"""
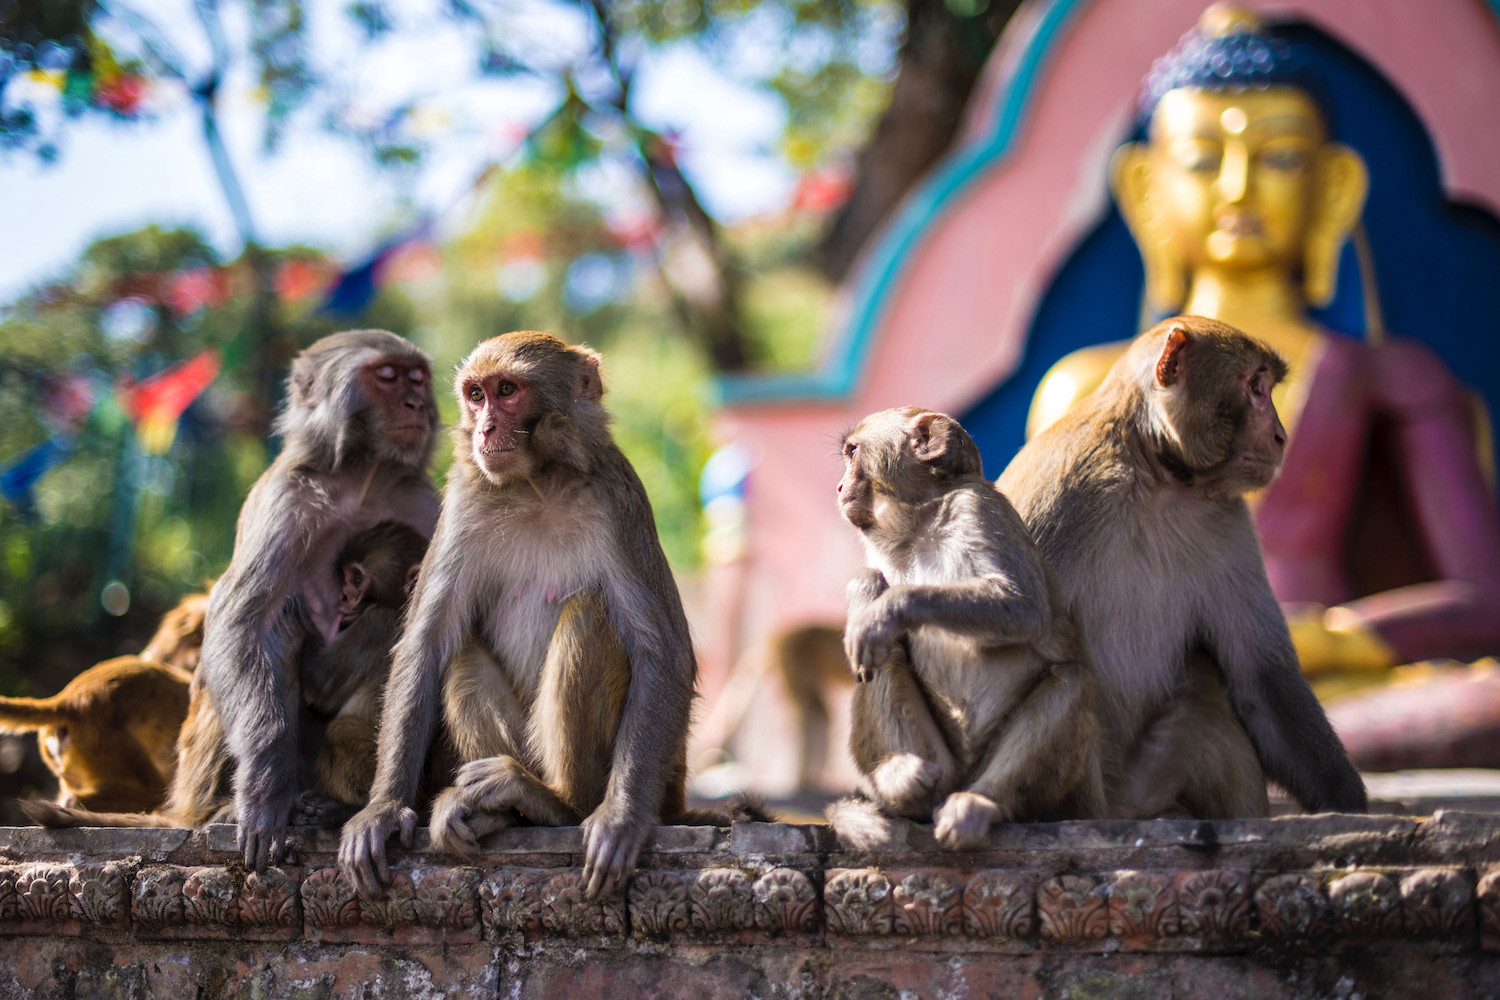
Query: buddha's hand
x=1334 y=639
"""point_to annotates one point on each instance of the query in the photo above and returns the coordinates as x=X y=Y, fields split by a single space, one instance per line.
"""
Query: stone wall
x=1335 y=906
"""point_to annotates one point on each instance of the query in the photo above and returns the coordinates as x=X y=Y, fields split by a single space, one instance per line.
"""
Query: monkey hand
x=612 y=838
x=362 y=846
x=262 y=831
x=871 y=635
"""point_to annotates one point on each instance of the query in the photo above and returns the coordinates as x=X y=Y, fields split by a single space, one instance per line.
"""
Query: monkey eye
x=850 y=448
x=476 y=394
x=417 y=376
x=506 y=387
x=1258 y=384
x=386 y=373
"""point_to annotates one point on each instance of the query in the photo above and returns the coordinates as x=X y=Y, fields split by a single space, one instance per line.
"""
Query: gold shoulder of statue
x=1072 y=378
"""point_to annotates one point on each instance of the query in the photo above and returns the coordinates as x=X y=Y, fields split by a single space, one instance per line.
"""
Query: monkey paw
x=964 y=820
x=611 y=841
x=448 y=827
x=904 y=785
x=322 y=812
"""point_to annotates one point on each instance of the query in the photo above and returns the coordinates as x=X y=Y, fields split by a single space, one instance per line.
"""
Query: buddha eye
x=506 y=388
x=476 y=394
x=1285 y=159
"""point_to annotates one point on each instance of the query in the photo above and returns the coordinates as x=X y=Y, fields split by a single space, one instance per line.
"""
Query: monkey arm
x=358 y=656
x=250 y=640
x=652 y=738
x=1291 y=734
x=990 y=609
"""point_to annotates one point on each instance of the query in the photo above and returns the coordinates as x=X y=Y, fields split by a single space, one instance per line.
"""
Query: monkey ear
x=592 y=387
x=1169 y=365
x=939 y=441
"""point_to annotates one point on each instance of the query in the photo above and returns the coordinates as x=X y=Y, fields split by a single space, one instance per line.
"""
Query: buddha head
x=1237 y=173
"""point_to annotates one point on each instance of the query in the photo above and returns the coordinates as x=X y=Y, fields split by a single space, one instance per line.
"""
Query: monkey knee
x=964 y=820
x=905 y=784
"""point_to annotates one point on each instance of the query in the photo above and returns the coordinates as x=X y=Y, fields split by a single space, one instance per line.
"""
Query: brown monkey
x=109 y=735
x=179 y=637
x=546 y=629
x=971 y=698
x=358 y=432
x=345 y=678
x=1136 y=499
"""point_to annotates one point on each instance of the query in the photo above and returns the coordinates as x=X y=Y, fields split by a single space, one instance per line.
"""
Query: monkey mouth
x=499 y=451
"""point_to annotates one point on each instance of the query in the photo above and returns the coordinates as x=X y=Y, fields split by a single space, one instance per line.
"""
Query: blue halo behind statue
x=1436 y=262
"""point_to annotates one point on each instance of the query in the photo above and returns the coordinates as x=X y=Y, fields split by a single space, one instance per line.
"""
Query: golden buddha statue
x=1240 y=205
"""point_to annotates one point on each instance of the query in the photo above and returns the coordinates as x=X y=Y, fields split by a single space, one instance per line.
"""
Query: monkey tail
x=27 y=715
x=50 y=814
x=741 y=807
x=860 y=825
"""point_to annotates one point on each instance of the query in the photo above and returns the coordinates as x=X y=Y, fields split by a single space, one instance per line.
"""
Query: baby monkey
x=971 y=695
x=346 y=678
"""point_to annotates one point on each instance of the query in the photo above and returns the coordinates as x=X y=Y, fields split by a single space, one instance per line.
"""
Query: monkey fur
x=546 y=632
x=110 y=735
x=1136 y=498
x=357 y=430
x=345 y=678
x=972 y=706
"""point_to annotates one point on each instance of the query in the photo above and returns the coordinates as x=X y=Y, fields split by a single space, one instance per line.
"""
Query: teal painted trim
x=840 y=372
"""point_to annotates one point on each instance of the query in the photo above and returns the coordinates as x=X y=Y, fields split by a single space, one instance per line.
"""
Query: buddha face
x=1233 y=175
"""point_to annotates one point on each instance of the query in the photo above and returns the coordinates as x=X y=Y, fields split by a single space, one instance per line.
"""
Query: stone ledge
x=1169 y=886
x=1288 y=893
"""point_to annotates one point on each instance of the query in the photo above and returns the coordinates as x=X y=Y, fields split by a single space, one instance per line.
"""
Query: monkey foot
x=320 y=811
x=964 y=820
x=904 y=785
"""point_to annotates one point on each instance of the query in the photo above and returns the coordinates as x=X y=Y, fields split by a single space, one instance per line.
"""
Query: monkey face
x=496 y=409
x=352 y=594
x=1212 y=403
x=901 y=456
x=524 y=398
x=402 y=414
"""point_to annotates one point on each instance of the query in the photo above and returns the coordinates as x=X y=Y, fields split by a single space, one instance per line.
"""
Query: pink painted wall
x=953 y=327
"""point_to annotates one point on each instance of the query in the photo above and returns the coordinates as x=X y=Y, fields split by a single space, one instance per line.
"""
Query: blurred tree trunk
x=939 y=62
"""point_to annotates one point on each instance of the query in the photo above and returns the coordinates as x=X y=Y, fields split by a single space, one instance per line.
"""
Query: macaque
x=546 y=632
x=110 y=734
x=179 y=637
x=972 y=706
x=345 y=678
x=1136 y=498
x=357 y=434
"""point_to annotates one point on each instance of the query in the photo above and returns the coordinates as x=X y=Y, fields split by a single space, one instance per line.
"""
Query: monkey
x=179 y=637
x=357 y=430
x=971 y=706
x=545 y=630
x=344 y=679
x=1136 y=498
x=109 y=734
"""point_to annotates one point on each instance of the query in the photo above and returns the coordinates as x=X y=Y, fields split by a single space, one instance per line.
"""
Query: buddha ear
x=1130 y=180
x=1340 y=186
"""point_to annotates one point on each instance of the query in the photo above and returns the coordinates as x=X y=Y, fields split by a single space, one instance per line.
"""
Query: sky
x=321 y=189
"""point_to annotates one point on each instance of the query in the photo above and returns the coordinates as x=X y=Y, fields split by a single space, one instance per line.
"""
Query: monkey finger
x=408 y=827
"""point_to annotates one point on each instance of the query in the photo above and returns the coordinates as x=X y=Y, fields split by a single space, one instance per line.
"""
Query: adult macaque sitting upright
x=545 y=629
x=358 y=431
x=1136 y=498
